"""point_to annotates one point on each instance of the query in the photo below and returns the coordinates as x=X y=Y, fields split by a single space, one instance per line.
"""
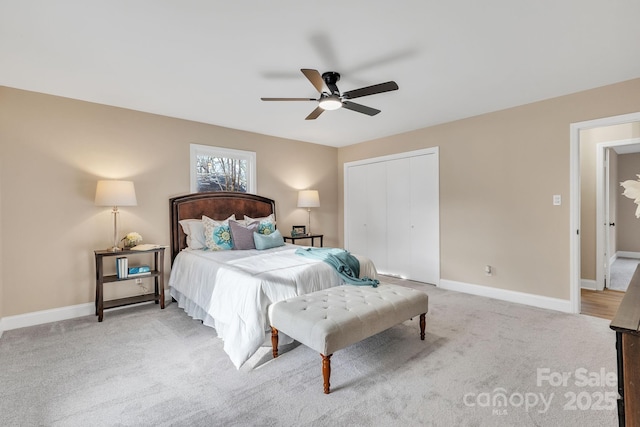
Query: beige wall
x=588 y=205
x=589 y=139
x=627 y=225
x=55 y=149
x=1 y=244
x=498 y=173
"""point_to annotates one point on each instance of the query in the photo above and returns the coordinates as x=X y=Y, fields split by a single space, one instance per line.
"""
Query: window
x=222 y=169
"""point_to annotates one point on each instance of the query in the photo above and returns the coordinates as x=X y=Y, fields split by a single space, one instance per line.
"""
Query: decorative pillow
x=194 y=229
x=268 y=241
x=242 y=235
x=267 y=223
x=217 y=234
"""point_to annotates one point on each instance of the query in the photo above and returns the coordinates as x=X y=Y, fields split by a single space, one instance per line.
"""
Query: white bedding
x=231 y=290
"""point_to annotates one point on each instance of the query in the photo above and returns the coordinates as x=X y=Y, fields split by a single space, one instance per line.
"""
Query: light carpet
x=144 y=366
x=621 y=272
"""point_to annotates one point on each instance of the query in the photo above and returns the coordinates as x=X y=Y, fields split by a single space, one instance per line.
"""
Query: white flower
x=132 y=238
x=632 y=191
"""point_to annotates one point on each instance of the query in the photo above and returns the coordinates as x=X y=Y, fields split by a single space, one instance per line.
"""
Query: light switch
x=557 y=200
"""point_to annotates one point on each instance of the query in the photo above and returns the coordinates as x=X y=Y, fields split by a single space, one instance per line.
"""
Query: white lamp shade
x=115 y=193
x=308 y=199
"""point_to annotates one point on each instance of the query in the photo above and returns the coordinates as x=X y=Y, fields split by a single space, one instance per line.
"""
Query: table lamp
x=115 y=193
x=308 y=199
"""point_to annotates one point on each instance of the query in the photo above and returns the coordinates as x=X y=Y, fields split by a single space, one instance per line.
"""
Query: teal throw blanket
x=347 y=266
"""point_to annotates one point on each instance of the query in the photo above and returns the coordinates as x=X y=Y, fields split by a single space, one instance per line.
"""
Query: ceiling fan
x=333 y=99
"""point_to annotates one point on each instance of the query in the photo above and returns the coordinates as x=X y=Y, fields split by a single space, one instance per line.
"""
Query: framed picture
x=299 y=230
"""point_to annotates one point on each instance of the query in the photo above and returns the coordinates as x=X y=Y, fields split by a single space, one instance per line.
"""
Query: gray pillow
x=242 y=235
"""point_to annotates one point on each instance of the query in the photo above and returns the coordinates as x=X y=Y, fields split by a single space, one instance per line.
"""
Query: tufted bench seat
x=334 y=318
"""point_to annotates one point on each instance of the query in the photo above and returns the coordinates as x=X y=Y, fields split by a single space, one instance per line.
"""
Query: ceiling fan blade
x=360 y=108
x=314 y=114
x=370 y=90
x=314 y=77
x=288 y=99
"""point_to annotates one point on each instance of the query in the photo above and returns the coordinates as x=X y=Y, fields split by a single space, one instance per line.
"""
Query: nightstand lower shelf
x=121 y=302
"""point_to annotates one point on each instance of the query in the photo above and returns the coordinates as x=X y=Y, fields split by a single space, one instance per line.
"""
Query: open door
x=609 y=219
x=602 y=216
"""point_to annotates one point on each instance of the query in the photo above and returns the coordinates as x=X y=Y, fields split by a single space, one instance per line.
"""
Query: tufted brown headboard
x=215 y=205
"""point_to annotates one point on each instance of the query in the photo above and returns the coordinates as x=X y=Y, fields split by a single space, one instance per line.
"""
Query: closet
x=392 y=213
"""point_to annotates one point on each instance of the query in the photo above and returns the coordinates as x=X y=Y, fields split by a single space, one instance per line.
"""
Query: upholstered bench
x=334 y=318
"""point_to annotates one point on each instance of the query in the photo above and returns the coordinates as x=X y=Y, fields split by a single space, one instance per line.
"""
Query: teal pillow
x=267 y=223
x=266 y=227
x=268 y=241
x=222 y=237
x=217 y=235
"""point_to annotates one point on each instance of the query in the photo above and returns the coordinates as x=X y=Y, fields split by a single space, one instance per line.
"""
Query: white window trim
x=208 y=150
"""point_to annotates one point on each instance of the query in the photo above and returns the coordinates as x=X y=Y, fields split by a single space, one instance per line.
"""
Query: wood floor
x=600 y=303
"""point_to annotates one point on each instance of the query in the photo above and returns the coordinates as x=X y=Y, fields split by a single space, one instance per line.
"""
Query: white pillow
x=194 y=229
x=217 y=234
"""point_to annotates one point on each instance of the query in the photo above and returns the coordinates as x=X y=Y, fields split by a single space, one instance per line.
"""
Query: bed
x=230 y=290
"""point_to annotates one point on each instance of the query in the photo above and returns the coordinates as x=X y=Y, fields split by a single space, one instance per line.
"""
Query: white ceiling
x=210 y=60
x=627 y=149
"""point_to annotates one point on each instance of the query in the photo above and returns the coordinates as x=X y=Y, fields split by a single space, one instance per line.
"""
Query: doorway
x=615 y=162
x=575 y=199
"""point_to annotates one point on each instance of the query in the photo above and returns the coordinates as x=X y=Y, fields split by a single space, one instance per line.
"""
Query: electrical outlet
x=138 y=281
x=488 y=270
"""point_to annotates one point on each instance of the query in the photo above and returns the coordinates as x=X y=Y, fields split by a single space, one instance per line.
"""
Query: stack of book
x=142 y=270
x=122 y=265
x=123 y=270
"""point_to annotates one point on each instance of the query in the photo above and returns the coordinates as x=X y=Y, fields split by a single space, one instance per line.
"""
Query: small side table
x=312 y=237
x=157 y=273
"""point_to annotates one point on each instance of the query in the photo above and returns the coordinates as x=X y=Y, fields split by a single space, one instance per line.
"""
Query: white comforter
x=231 y=290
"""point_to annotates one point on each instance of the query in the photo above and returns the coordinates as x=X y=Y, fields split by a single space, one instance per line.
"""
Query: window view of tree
x=222 y=169
x=221 y=174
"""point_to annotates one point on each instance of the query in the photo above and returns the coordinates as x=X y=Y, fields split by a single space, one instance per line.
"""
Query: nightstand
x=157 y=273
x=312 y=237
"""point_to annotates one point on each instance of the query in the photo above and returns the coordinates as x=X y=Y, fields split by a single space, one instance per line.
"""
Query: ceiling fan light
x=330 y=103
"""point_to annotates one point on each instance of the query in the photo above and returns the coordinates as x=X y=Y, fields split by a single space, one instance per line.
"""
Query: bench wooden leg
x=326 y=371
x=422 y=325
x=274 y=341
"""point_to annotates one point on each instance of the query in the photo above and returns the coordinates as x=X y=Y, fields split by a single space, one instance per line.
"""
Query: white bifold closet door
x=367 y=219
x=392 y=213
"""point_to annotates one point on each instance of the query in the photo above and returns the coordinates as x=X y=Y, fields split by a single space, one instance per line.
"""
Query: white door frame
x=602 y=209
x=574 y=191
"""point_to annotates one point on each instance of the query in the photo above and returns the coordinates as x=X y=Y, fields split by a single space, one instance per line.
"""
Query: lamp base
x=114 y=249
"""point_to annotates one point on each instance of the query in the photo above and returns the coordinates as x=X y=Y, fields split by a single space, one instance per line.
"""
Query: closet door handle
x=612 y=224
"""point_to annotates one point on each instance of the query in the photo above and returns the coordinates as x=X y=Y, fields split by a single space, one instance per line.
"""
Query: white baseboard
x=47 y=316
x=588 y=284
x=624 y=254
x=507 y=295
x=55 y=315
